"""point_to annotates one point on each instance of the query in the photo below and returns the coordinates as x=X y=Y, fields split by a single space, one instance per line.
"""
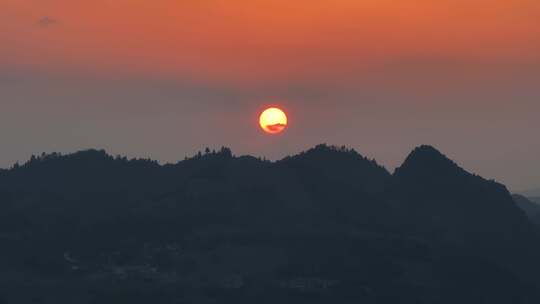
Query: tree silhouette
x=327 y=225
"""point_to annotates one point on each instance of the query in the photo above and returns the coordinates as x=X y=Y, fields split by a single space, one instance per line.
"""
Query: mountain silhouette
x=464 y=209
x=531 y=193
x=531 y=207
x=327 y=225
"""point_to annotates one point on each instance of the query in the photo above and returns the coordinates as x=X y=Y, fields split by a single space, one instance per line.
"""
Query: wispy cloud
x=46 y=22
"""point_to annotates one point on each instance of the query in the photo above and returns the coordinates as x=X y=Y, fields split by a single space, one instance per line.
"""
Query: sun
x=273 y=120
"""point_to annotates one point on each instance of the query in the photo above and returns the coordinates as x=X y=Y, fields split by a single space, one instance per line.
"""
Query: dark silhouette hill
x=324 y=226
x=463 y=209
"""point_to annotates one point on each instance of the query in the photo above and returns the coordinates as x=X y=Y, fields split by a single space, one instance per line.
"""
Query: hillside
x=324 y=226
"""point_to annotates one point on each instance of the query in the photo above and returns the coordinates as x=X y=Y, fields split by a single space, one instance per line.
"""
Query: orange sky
x=267 y=40
x=165 y=78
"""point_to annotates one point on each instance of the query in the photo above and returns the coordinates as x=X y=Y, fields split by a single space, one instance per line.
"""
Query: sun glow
x=273 y=120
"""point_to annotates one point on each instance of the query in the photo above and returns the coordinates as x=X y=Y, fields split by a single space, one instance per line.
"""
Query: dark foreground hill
x=324 y=226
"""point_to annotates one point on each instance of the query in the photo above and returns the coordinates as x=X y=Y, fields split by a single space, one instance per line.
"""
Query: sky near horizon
x=166 y=78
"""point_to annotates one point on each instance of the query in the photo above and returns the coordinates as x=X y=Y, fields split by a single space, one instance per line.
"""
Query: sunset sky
x=166 y=78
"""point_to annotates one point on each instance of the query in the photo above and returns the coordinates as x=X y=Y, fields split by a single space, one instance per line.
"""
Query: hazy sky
x=165 y=78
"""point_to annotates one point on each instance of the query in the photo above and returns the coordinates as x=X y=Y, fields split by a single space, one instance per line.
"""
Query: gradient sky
x=166 y=78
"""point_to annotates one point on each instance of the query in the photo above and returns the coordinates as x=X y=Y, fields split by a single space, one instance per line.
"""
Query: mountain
x=531 y=193
x=324 y=226
x=464 y=209
x=530 y=207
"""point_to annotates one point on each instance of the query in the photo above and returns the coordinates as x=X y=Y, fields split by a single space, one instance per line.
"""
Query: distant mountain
x=530 y=207
x=531 y=193
x=324 y=226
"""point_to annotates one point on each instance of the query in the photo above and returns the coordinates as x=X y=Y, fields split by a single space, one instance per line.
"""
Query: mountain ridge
x=431 y=230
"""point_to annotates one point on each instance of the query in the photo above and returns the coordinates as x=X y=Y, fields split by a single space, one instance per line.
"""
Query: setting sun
x=273 y=120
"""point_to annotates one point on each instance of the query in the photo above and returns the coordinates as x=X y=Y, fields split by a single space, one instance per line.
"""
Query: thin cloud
x=46 y=22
